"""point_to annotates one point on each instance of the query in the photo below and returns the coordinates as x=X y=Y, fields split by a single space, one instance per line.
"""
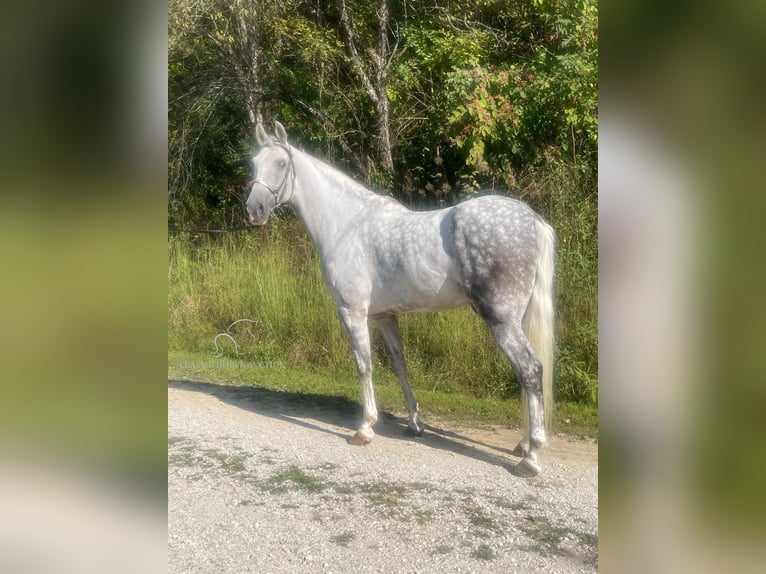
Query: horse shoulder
x=346 y=270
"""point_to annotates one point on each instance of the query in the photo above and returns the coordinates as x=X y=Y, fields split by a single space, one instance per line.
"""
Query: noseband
x=276 y=192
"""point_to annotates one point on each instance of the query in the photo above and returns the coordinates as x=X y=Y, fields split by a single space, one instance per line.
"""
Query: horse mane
x=357 y=190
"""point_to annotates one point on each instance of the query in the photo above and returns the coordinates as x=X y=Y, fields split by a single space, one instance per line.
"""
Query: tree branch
x=382 y=44
x=356 y=61
x=331 y=129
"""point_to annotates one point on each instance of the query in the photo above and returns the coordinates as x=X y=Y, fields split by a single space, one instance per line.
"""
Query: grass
x=292 y=338
x=344 y=539
x=478 y=517
x=484 y=552
x=548 y=536
x=455 y=407
x=382 y=494
x=298 y=479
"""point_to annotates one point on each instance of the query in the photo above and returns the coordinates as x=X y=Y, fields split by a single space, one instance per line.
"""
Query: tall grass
x=272 y=276
x=573 y=210
x=215 y=281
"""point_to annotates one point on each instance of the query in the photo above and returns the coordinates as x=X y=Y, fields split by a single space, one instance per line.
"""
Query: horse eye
x=282 y=163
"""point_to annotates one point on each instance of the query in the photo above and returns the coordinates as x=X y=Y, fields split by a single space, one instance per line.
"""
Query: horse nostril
x=259 y=209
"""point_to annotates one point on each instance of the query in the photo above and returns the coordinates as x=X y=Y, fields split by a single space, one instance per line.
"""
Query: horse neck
x=325 y=200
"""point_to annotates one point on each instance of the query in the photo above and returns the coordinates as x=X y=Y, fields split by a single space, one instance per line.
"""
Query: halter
x=290 y=169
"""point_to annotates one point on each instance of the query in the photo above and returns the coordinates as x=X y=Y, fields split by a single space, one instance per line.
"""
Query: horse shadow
x=301 y=408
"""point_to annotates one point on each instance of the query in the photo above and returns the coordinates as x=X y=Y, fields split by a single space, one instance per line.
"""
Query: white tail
x=538 y=320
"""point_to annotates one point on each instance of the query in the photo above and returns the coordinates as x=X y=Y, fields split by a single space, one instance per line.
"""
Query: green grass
x=484 y=552
x=292 y=338
x=298 y=479
x=548 y=536
x=435 y=405
x=479 y=518
x=344 y=539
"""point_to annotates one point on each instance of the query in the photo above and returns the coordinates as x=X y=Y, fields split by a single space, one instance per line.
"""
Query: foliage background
x=479 y=95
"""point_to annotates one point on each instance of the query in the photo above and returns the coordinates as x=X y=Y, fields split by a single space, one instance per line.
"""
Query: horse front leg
x=389 y=326
x=355 y=324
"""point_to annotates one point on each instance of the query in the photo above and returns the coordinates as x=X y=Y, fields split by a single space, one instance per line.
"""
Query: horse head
x=273 y=174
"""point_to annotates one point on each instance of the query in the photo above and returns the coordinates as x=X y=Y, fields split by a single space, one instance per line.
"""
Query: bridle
x=278 y=191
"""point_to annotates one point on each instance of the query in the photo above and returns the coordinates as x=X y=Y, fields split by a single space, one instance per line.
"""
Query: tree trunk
x=385 y=152
x=376 y=87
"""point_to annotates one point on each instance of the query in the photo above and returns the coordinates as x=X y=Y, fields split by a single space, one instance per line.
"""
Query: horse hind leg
x=389 y=326
x=512 y=341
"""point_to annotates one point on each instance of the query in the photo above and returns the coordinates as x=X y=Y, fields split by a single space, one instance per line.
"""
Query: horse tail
x=538 y=323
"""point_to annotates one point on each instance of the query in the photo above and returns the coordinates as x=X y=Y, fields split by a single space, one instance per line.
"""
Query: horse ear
x=260 y=134
x=279 y=130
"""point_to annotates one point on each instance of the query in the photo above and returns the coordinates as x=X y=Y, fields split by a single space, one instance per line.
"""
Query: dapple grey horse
x=380 y=259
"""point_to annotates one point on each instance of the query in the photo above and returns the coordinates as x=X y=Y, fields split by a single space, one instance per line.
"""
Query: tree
x=455 y=95
x=218 y=74
x=375 y=83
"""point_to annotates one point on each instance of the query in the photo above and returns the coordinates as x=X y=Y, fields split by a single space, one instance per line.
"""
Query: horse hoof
x=527 y=468
x=359 y=440
x=409 y=431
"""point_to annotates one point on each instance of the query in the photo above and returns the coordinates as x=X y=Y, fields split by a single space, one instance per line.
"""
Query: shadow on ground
x=301 y=408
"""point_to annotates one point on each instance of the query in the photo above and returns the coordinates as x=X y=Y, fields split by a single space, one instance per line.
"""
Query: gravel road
x=266 y=481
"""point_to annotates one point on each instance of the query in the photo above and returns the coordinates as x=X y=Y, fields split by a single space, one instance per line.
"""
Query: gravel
x=263 y=481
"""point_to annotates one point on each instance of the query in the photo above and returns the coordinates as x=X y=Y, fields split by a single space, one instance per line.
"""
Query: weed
x=502 y=502
x=228 y=462
x=383 y=494
x=548 y=536
x=478 y=517
x=299 y=479
x=344 y=539
x=424 y=516
x=587 y=539
x=484 y=552
x=184 y=459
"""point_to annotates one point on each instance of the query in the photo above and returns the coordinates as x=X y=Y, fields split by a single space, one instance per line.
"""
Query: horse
x=380 y=259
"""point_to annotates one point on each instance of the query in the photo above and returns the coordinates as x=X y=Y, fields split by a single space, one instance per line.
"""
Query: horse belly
x=412 y=270
x=423 y=292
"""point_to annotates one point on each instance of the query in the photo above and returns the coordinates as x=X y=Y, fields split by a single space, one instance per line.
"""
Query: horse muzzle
x=259 y=206
x=258 y=215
